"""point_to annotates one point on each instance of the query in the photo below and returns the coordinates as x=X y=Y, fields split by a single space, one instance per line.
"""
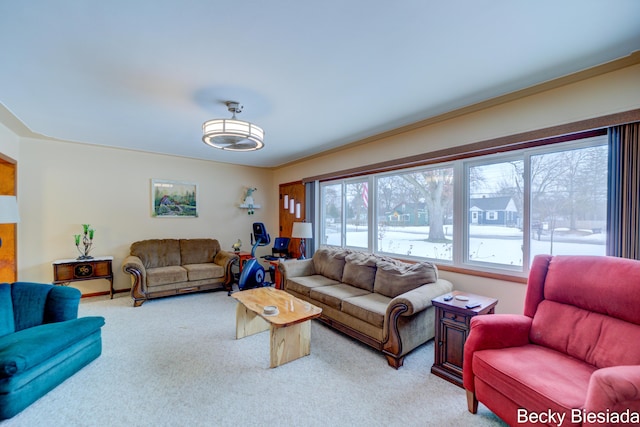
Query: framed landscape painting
x=171 y=199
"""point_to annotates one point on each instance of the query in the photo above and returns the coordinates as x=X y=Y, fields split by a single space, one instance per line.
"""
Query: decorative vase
x=87 y=241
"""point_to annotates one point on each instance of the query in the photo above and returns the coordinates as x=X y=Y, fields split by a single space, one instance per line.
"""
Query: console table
x=75 y=270
x=453 y=319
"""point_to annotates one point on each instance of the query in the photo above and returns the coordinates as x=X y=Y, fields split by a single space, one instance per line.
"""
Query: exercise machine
x=253 y=273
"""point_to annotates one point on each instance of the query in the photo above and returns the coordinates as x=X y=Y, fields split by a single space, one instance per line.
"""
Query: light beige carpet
x=176 y=362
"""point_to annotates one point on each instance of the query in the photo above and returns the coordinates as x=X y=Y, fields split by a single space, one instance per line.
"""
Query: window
x=491 y=213
x=494 y=198
x=357 y=216
x=331 y=205
x=344 y=217
x=569 y=202
x=414 y=213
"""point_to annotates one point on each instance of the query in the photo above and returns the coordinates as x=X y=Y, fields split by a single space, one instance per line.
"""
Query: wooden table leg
x=248 y=323
x=290 y=343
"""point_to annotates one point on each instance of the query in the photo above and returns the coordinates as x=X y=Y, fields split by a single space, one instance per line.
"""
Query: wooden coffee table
x=290 y=327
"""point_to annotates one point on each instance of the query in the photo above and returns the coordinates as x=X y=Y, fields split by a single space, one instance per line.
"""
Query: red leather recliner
x=573 y=357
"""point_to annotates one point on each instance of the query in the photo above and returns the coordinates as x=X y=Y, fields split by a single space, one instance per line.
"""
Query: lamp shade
x=9 y=210
x=302 y=230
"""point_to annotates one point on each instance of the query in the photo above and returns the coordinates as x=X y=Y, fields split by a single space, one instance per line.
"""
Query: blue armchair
x=42 y=341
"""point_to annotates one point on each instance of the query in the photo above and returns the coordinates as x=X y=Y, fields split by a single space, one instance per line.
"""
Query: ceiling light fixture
x=232 y=134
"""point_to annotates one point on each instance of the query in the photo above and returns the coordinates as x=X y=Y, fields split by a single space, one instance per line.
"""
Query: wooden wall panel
x=294 y=191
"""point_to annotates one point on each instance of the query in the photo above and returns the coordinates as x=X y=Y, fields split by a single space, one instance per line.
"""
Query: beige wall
x=63 y=185
x=8 y=144
x=609 y=93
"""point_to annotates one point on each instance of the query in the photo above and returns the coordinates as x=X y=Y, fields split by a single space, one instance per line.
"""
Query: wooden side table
x=75 y=270
x=277 y=276
x=242 y=258
x=277 y=279
x=453 y=319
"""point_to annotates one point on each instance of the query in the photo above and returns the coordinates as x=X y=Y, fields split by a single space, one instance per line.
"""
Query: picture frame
x=174 y=199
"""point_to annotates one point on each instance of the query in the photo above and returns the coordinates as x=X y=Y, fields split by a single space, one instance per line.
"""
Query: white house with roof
x=500 y=210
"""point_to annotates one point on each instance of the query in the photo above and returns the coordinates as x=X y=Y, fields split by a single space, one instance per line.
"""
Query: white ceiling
x=314 y=75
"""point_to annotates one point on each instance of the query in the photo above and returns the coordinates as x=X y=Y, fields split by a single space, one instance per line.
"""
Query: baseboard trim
x=99 y=294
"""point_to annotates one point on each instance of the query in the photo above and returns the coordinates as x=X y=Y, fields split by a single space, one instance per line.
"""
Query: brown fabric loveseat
x=382 y=302
x=164 y=267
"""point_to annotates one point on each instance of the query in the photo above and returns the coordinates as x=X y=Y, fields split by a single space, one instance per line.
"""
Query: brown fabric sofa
x=382 y=302
x=164 y=267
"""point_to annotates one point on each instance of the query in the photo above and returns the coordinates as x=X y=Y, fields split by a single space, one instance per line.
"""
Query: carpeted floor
x=176 y=362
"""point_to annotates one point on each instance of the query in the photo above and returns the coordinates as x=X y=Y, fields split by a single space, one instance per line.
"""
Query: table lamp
x=302 y=231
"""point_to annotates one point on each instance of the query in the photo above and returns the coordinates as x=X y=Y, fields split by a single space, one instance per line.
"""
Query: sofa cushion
x=360 y=270
x=330 y=262
x=7 y=324
x=395 y=277
x=370 y=308
x=335 y=294
x=535 y=377
x=198 y=251
x=157 y=252
x=165 y=275
x=204 y=271
x=304 y=284
x=585 y=335
x=25 y=349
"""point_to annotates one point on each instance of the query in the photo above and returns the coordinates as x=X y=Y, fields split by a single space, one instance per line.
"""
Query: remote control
x=448 y=298
x=473 y=305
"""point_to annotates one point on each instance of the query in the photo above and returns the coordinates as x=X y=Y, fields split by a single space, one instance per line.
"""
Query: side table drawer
x=454 y=317
x=101 y=269
x=82 y=270
x=74 y=270
x=62 y=273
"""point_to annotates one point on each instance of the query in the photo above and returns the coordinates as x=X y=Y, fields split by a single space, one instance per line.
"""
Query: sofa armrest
x=133 y=265
x=226 y=260
x=420 y=298
x=223 y=258
x=408 y=304
x=614 y=389
x=492 y=332
x=296 y=268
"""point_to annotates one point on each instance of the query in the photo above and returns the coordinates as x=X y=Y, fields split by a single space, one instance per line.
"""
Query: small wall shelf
x=245 y=206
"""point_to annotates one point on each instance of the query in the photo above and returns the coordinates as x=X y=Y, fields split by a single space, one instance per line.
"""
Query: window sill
x=489 y=275
x=468 y=271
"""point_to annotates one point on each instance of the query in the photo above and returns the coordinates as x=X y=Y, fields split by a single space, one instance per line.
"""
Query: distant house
x=408 y=214
x=493 y=211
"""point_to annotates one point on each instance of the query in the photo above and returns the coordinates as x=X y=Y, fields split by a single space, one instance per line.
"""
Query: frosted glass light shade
x=232 y=135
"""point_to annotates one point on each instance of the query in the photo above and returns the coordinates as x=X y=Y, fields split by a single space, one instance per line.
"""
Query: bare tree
x=435 y=187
